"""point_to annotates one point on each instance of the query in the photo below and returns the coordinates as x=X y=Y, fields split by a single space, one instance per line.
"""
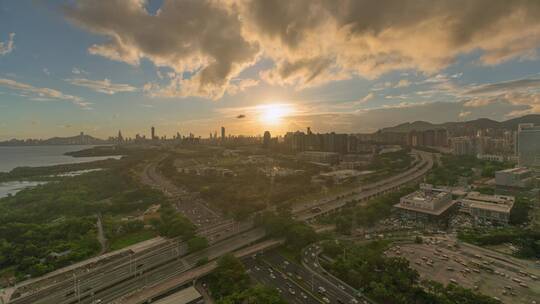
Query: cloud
x=464 y=114
x=505 y=86
x=77 y=71
x=202 y=37
x=41 y=94
x=46 y=71
x=8 y=46
x=241 y=85
x=367 y=98
x=369 y=38
x=396 y=96
x=309 y=42
x=403 y=83
x=102 y=86
x=524 y=93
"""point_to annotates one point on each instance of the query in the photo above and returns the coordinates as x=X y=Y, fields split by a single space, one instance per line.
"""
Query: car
x=341 y=287
x=325 y=300
x=303 y=295
x=272 y=276
x=291 y=291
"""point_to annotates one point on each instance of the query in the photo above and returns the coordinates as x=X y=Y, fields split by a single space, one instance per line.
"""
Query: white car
x=325 y=300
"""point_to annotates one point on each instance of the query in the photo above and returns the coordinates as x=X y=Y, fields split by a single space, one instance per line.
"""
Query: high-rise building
x=153 y=133
x=266 y=139
x=222 y=133
x=462 y=146
x=528 y=143
x=120 y=137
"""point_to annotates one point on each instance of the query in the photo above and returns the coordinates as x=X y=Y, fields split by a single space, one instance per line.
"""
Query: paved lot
x=508 y=279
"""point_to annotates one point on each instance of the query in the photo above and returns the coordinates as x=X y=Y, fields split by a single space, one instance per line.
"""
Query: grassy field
x=130 y=239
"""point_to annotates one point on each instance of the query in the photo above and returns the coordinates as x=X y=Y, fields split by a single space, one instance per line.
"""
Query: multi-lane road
x=366 y=192
x=130 y=273
x=296 y=283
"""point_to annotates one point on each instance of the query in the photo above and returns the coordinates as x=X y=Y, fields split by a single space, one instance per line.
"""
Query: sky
x=192 y=66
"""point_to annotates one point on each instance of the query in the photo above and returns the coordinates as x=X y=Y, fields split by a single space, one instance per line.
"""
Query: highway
x=110 y=282
x=130 y=273
x=290 y=290
x=310 y=261
x=366 y=192
x=190 y=205
x=272 y=269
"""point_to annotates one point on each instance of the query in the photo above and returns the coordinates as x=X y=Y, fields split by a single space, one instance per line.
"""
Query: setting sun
x=273 y=114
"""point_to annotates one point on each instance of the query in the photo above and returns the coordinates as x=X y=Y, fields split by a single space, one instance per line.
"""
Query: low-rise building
x=514 y=178
x=341 y=176
x=428 y=203
x=188 y=295
x=487 y=208
x=331 y=158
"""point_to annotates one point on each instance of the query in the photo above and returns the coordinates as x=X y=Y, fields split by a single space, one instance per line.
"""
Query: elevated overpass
x=167 y=262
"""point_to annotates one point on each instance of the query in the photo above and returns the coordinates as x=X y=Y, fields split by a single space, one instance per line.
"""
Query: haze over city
x=270 y=152
x=193 y=66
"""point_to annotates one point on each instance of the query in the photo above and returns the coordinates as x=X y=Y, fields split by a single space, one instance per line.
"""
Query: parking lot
x=505 y=278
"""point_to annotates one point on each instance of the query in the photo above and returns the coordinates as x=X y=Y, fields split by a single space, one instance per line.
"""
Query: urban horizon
x=270 y=151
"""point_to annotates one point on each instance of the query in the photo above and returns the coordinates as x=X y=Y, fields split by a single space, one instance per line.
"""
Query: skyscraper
x=153 y=133
x=222 y=133
x=266 y=139
x=528 y=143
x=120 y=137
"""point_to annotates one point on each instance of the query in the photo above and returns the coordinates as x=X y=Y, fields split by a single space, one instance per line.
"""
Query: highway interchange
x=131 y=273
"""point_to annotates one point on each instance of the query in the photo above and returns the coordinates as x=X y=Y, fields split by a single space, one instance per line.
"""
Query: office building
x=428 y=203
x=222 y=133
x=484 y=209
x=153 y=133
x=528 y=143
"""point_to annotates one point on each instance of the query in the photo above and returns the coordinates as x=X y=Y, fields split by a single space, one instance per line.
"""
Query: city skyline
x=63 y=69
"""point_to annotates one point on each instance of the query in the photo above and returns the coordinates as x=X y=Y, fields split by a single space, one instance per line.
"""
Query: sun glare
x=273 y=114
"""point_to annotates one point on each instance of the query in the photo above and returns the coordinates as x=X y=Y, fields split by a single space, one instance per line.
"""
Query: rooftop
x=184 y=296
x=441 y=208
x=519 y=170
x=492 y=207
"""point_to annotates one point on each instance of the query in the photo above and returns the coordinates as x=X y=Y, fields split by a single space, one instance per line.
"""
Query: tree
x=254 y=295
x=197 y=243
x=228 y=278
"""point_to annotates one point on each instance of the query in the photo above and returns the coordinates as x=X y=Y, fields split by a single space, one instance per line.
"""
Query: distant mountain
x=81 y=139
x=482 y=123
